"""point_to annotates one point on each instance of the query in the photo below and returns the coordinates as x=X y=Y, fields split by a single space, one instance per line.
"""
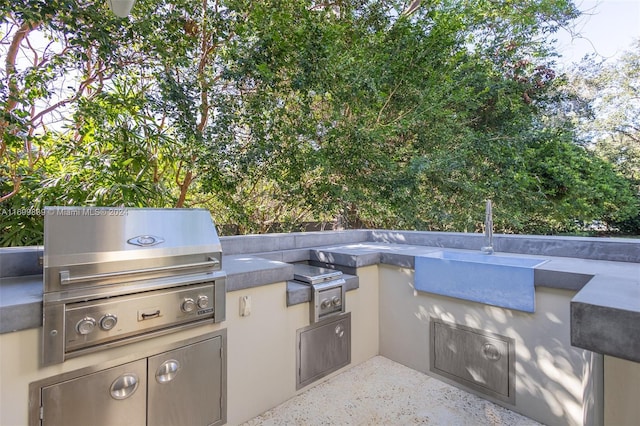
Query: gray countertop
x=605 y=313
x=20 y=303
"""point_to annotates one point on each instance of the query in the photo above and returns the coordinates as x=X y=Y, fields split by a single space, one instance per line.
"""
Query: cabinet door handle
x=167 y=371
x=124 y=386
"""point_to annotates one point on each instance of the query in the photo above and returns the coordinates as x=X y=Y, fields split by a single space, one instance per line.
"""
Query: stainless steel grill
x=328 y=290
x=113 y=276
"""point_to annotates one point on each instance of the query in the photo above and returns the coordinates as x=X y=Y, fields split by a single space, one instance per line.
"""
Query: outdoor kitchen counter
x=20 y=303
x=21 y=297
x=557 y=272
x=605 y=313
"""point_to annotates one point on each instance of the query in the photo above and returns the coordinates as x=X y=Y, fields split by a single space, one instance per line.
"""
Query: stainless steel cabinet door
x=479 y=359
x=323 y=348
x=185 y=385
x=113 y=397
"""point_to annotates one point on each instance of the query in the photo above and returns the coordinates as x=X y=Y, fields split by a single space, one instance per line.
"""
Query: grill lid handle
x=66 y=278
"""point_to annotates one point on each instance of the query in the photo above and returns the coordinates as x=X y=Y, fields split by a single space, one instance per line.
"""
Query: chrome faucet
x=488 y=229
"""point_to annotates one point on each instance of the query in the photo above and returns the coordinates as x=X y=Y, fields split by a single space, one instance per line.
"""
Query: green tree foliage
x=609 y=119
x=276 y=112
x=56 y=55
x=100 y=110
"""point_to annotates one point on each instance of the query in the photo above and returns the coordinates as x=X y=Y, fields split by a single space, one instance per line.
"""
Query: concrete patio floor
x=382 y=392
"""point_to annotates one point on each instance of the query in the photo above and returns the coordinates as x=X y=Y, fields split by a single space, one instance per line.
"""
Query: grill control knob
x=188 y=305
x=203 y=302
x=336 y=301
x=86 y=325
x=326 y=303
x=108 y=321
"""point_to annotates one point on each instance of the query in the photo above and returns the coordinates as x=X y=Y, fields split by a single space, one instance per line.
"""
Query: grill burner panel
x=116 y=276
x=120 y=317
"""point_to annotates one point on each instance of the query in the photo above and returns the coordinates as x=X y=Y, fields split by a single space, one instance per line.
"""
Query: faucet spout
x=488 y=229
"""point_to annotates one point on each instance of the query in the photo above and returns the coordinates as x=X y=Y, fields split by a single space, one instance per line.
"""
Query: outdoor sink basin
x=486 y=278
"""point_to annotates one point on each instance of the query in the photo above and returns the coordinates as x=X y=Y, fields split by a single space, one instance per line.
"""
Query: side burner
x=328 y=290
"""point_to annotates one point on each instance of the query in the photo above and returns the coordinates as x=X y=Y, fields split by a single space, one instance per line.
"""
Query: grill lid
x=76 y=235
x=97 y=245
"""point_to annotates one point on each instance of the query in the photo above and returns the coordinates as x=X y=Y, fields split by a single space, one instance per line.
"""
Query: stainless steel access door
x=479 y=359
x=185 y=386
x=323 y=348
x=116 y=396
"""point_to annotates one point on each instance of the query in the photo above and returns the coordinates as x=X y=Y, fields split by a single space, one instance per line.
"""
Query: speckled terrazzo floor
x=382 y=392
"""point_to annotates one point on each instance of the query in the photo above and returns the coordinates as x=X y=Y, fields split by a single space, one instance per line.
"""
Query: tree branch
x=17 y=182
x=10 y=62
